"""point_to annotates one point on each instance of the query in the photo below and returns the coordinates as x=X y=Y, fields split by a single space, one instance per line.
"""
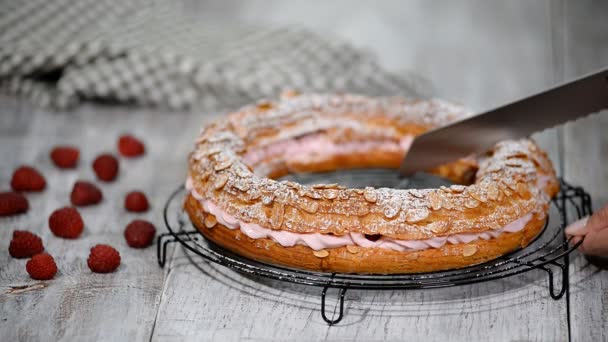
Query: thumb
x=595 y=243
x=598 y=221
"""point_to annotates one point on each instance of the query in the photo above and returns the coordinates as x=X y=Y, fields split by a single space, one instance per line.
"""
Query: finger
x=596 y=243
x=577 y=228
x=575 y=240
x=599 y=220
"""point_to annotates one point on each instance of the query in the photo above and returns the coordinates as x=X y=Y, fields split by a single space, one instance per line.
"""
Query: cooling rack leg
x=340 y=309
x=161 y=247
x=564 y=280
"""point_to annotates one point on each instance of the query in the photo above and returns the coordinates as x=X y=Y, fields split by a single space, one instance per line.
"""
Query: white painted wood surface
x=478 y=53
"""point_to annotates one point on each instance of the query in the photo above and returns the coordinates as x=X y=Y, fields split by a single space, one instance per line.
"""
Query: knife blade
x=519 y=119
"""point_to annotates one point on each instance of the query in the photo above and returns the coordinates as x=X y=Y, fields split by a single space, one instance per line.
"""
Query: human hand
x=595 y=231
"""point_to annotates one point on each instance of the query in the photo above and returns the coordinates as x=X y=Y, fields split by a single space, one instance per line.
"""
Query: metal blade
x=516 y=120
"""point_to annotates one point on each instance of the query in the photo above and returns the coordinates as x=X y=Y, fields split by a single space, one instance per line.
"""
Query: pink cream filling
x=316 y=146
x=318 y=241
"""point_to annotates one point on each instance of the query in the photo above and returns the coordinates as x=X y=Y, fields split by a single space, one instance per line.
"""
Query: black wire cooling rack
x=548 y=252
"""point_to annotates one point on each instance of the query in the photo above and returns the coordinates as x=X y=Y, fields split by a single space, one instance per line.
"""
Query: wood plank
x=78 y=304
x=585 y=155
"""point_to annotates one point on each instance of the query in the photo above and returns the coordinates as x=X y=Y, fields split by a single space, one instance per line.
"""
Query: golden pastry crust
x=235 y=159
x=354 y=259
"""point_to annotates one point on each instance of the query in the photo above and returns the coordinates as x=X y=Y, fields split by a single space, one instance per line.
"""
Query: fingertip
x=577 y=228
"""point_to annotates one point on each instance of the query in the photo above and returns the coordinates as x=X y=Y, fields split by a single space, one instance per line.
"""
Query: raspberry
x=12 y=203
x=140 y=234
x=129 y=146
x=106 y=167
x=65 y=157
x=85 y=193
x=136 y=201
x=41 y=267
x=103 y=259
x=25 y=244
x=66 y=223
x=27 y=178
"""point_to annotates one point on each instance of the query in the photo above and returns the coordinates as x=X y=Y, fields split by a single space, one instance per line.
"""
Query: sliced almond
x=391 y=211
x=276 y=215
x=370 y=195
x=416 y=193
x=352 y=249
x=321 y=254
x=264 y=105
x=210 y=221
x=493 y=192
x=476 y=194
x=521 y=189
x=471 y=203
x=435 y=200
x=310 y=207
x=330 y=194
x=457 y=188
x=241 y=185
x=243 y=173
x=416 y=215
x=312 y=194
x=469 y=250
x=220 y=181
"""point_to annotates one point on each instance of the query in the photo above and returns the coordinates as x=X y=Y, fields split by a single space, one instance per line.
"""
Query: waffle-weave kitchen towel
x=62 y=52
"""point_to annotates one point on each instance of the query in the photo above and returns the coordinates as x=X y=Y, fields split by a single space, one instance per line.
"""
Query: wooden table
x=200 y=301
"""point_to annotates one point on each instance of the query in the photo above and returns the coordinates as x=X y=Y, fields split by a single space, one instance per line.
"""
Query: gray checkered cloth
x=62 y=52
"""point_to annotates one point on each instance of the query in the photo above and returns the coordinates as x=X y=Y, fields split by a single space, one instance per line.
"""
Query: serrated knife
x=477 y=134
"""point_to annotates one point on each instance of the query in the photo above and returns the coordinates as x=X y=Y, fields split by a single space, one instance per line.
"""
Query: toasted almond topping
x=267 y=199
x=478 y=195
x=308 y=206
x=521 y=189
x=435 y=200
x=391 y=211
x=222 y=165
x=416 y=215
x=445 y=189
x=205 y=175
x=493 y=192
x=210 y=221
x=471 y=203
x=513 y=163
x=243 y=186
x=321 y=254
x=447 y=203
x=276 y=216
x=439 y=226
x=243 y=173
x=352 y=249
x=370 y=195
x=457 y=188
x=469 y=250
x=313 y=194
x=220 y=181
x=330 y=194
x=416 y=193
x=326 y=186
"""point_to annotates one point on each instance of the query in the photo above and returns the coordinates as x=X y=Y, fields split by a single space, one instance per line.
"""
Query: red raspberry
x=106 y=167
x=103 y=259
x=41 y=267
x=136 y=201
x=27 y=178
x=25 y=244
x=66 y=223
x=85 y=193
x=129 y=146
x=65 y=157
x=12 y=203
x=140 y=234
